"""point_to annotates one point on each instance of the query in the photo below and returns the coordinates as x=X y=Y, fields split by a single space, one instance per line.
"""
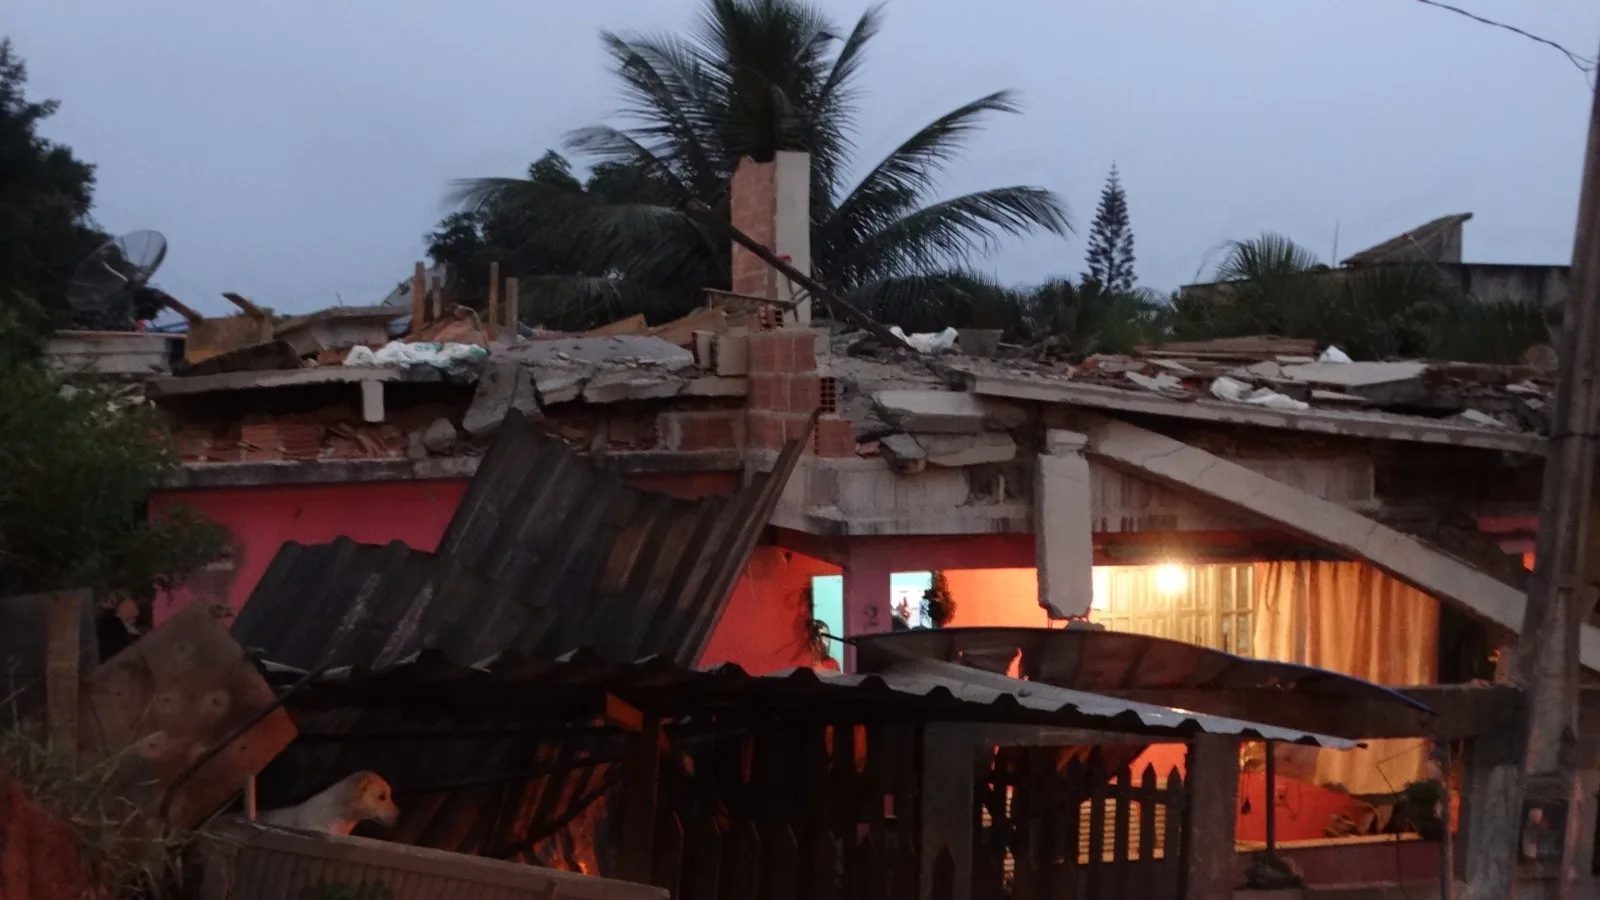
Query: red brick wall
x=785 y=386
x=754 y=201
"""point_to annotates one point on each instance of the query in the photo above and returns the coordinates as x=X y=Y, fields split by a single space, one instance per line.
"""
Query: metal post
x=1536 y=837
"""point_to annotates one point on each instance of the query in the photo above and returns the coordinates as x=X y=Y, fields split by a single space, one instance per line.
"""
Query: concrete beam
x=179 y=385
x=1188 y=468
x=1063 y=526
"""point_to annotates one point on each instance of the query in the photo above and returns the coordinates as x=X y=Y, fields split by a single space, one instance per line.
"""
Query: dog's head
x=371 y=799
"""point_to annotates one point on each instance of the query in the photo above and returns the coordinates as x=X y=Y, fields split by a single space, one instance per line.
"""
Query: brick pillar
x=785 y=386
x=771 y=202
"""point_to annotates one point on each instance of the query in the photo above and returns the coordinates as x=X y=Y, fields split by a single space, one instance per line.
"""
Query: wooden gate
x=1078 y=829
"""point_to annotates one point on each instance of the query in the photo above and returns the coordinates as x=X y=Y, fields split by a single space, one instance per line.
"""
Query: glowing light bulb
x=1171 y=579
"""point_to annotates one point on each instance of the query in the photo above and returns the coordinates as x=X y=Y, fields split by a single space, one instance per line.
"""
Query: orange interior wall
x=763 y=628
x=995 y=598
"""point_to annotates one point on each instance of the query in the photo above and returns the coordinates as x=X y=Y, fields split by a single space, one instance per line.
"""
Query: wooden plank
x=1209 y=815
x=1147 y=884
x=681 y=331
x=1098 y=880
x=668 y=852
x=640 y=785
x=245 y=306
x=780 y=873
x=513 y=312
x=703 y=861
x=820 y=856
x=634 y=324
x=1121 y=851
x=741 y=864
x=62 y=665
x=491 y=325
x=419 y=295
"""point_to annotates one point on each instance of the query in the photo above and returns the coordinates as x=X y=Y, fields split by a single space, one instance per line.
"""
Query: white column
x=1063 y=531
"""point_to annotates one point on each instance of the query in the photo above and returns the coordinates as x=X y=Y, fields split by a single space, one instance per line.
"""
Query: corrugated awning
x=517 y=688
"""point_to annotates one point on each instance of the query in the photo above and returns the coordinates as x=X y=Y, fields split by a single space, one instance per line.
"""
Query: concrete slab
x=557 y=385
x=956 y=450
x=1188 y=468
x=904 y=453
x=176 y=386
x=629 y=350
x=631 y=384
x=1380 y=382
x=504 y=386
x=946 y=412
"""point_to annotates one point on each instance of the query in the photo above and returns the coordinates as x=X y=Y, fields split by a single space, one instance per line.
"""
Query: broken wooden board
x=681 y=331
x=634 y=324
x=213 y=337
x=170 y=697
x=339 y=328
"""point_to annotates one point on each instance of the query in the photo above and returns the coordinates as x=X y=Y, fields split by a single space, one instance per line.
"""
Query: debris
x=458 y=361
x=955 y=450
x=635 y=350
x=1339 y=399
x=680 y=332
x=209 y=337
x=982 y=342
x=928 y=343
x=1243 y=349
x=415 y=448
x=1226 y=388
x=1380 y=382
x=1543 y=357
x=440 y=436
x=504 y=385
x=263 y=357
x=1333 y=355
x=1480 y=418
x=904 y=453
x=1160 y=384
x=946 y=412
x=459 y=326
x=339 y=328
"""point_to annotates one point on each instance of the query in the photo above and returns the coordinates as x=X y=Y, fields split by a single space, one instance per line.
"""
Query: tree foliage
x=45 y=195
x=1271 y=285
x=77 y=465
x=757 y=77
x=1110 y=257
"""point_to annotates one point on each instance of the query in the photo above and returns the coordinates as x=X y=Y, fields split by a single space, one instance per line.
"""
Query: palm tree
x=1271 y=285
x=758 y=77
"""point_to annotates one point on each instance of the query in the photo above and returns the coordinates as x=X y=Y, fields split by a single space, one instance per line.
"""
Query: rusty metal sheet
x=169 y=697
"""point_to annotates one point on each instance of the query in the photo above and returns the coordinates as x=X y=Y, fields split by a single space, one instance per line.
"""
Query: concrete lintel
x=1188 y=468
x=180 y=385
x=1344 y=423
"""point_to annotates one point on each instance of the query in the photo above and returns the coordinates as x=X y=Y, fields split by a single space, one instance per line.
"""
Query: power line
x=1583 y=63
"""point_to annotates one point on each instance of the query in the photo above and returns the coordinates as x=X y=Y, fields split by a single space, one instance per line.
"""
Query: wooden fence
x=1079 y=830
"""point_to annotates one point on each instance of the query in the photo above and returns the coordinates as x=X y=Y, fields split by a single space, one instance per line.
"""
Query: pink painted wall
x=762 y=630
x=261 y=519
x=996 y=598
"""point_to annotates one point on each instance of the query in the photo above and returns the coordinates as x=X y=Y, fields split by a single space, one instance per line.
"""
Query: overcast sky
x=297 y=150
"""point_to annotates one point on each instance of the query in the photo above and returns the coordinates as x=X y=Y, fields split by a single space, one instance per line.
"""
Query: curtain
x=1350 y=618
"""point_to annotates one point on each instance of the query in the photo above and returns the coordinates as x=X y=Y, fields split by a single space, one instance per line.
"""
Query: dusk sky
x=297 y=151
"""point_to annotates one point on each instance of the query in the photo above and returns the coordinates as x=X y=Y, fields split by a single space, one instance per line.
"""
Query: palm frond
x=946 y=234
x=908 y=171
x=673 y=94
x=1267 y=256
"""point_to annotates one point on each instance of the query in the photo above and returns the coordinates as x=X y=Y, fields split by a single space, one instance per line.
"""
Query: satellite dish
x=104 y=285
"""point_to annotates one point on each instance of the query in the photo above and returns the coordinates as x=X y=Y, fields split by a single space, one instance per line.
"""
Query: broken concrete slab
x=955 y=450
x=1160 y=384
x=557 y=385
x=1379 y=382
x=627 y=351
x=946 y=412
x=632 y=384
x=504 y=386
x=904 y=453
x=1188 y=468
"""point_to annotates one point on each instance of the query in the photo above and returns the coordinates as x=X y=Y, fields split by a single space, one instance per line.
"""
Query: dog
x=360 y=797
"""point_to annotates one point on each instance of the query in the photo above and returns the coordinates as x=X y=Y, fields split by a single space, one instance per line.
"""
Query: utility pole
x=1526 y=823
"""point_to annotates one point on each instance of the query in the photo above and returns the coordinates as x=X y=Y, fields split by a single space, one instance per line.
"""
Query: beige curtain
x=1351 y=618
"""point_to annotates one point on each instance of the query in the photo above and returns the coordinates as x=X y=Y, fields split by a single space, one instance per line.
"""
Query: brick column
x=785 y=386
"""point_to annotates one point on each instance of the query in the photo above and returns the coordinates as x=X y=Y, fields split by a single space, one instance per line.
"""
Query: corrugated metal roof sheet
x=521 y=689
x=1093 y=660
x=545 y=554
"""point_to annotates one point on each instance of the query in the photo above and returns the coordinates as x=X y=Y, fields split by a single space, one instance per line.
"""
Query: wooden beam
x=513 y=298
x=419 y=297
x=243 y=302
x=492 y=324
x=1209 y=816
x=1198 y=472
x=62 y=665
x=179 y=307
x=640 y=781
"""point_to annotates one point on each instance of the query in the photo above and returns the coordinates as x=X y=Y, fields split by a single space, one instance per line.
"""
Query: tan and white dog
x=361 y=797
